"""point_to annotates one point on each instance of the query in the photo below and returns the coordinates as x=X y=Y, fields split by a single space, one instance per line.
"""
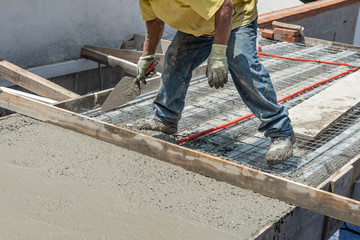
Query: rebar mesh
x=313 y=160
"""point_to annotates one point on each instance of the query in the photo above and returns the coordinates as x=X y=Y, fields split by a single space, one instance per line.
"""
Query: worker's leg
x=185 y=53
x=253 y=83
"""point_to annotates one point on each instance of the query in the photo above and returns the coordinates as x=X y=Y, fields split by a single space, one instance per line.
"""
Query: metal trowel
x=126 y=90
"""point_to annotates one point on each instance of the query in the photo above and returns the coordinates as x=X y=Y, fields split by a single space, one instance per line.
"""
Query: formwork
x=313 y=161
x=236 y=154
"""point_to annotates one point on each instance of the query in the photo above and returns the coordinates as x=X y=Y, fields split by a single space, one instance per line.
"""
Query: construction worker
x=225 y=32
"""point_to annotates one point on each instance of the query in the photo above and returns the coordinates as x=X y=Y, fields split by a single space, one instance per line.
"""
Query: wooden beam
x=89 y=101
x=109 y=60
x=313 y=116
x=316 y=200
x=339 y=184
x=33 y=82
x=132 y=56
x=292 y=224
x=29 y=95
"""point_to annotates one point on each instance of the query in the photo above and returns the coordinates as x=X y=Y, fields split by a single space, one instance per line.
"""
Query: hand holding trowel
x=128 y=88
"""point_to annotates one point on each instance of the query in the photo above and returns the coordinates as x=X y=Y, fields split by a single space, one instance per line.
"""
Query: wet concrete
x=126 y=90
x=59 y=184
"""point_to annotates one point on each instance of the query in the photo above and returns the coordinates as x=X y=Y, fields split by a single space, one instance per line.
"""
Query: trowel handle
x=151 y=67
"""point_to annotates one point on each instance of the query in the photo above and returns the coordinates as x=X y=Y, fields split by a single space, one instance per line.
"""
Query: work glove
x=142 y=65
x=217 y=66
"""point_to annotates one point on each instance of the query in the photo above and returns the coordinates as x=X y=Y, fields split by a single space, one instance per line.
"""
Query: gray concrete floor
x=59 y=184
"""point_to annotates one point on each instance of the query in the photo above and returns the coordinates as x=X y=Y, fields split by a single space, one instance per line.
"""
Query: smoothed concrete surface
x=59 y=184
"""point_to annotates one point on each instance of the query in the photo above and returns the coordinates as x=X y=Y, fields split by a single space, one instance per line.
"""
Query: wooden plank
x=313 y=116
x=29 y=95
x=292 y=225
x=7 y=116
x=313 y=199
x=33 y=82
x=339 y=184
x=88 y=102
x=109 y=60
x=57 y=69
x=132 y=56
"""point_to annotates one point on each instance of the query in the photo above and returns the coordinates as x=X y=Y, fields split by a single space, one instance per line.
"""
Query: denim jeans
x=251 y=79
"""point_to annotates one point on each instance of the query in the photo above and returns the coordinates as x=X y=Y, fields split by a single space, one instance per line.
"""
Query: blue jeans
x=250 y=77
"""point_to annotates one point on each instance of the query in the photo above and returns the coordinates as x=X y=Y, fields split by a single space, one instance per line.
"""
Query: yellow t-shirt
x=196 y=17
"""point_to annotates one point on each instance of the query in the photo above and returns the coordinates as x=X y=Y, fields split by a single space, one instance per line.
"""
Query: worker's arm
x=223 y=23
x=217 y=68
x=154 y=31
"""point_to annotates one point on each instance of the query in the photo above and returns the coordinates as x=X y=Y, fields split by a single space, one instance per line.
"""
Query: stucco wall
x=39 y=32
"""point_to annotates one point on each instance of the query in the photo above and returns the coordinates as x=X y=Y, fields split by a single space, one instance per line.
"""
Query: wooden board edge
x=132 y=56
x=317 y=41
x=88 y=101
x=9 y=116
x=273 y=230
x=34 y=83
x=310 y=198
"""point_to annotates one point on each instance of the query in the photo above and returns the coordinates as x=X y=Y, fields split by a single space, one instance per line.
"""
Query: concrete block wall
x=357 y=31
x=37 y=32
x=332 y=20
x=337 y=25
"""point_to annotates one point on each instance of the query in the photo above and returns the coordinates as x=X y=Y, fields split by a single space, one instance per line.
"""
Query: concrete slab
x=57 y=184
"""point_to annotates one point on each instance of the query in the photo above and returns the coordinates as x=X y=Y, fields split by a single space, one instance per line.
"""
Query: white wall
x=357 y=31
x=39 y=32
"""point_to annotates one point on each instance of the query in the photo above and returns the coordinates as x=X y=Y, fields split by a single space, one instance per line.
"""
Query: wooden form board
x=341 y=184
x=132 y=56
x=88 y=102
x=310 y=198
x=109 y=60
x=316 y=114
x=293 y=224
x=33 y=82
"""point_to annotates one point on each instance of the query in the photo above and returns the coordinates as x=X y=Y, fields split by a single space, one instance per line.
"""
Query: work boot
x=281 y=149
x=156 y=125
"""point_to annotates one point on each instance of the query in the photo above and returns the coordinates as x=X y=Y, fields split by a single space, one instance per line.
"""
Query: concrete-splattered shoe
x=281 y=149
x=156 y=125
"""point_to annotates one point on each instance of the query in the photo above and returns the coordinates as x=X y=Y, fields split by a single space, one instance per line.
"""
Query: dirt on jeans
x=59 y=184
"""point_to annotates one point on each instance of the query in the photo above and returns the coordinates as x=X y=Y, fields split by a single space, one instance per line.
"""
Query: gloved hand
x=142 y=65
x=217 y=66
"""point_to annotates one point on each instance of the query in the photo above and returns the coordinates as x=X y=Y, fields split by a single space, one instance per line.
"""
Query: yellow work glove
x=217 y=66
x=142 y=65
